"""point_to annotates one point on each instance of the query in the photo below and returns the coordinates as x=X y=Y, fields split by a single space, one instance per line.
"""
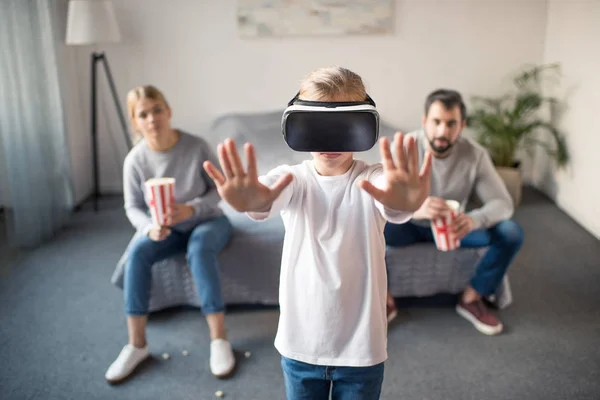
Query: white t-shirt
x=333 y=281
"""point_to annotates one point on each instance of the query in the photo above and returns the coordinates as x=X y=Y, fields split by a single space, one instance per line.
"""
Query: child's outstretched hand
x=405 y=188
x=240 y=188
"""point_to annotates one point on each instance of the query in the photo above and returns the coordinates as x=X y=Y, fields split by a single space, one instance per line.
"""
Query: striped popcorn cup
x=441 y=228
x=161 y=194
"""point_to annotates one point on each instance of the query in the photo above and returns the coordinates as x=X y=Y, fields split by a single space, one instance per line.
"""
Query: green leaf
x=509 y=122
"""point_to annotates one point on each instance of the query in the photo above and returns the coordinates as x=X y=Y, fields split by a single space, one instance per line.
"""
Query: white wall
x=190 y=49
x=573 y=39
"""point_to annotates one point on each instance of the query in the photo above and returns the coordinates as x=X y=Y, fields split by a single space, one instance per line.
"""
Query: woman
x=195 y=224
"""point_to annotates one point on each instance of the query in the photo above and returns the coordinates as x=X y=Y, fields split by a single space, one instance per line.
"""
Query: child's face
x=332 y=163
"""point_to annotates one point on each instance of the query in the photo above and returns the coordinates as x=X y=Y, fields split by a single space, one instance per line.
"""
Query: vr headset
x=322 y=126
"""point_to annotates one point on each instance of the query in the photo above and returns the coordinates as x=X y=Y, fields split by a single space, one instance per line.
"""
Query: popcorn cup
x=161 y=194
x=441 y=228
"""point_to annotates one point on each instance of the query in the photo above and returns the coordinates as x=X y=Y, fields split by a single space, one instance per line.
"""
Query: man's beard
x=440 y=149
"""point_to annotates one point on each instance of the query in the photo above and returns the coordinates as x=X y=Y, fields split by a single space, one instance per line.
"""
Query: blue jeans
x=202 y=244
x=313 y=382
x=504 y=241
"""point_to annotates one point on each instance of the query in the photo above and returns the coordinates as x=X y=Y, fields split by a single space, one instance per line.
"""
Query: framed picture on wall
x=276 y=18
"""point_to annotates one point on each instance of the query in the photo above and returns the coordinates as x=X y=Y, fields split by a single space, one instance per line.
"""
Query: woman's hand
x=158 y=233
x=179 y=213
x=241 y=188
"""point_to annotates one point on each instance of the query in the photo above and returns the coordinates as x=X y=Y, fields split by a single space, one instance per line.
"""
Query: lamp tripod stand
x=95 y=58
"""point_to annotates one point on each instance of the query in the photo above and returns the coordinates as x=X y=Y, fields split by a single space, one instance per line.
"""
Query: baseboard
x=112 y=188
x=90 y=198
x=582 y=221
x=572 y=212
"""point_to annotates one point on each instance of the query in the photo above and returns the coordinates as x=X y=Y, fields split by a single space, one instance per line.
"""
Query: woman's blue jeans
x=202 y=245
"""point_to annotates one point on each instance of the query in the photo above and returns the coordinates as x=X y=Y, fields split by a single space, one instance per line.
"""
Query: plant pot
x=512 y=180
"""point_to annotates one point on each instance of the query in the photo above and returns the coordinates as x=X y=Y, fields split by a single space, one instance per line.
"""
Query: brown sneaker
x=480 y=316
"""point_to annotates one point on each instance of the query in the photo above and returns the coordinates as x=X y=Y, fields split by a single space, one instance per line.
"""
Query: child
x=332 y=332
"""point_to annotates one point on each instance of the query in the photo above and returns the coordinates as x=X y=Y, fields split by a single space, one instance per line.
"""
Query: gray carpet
x=62 y=324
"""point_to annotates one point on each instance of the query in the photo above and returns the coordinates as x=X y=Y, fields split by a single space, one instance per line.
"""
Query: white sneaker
x=222 y=360
x=129 y=358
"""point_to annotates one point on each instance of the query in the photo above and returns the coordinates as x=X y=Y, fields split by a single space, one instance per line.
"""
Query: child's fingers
x=280 y=184
x=368 y=187
x=412 y=162
x=224 y=160
x=214 y=173
x=400 y=152
x=425 y=174
x=251 y=157
x=386 y=154
x=234 y=158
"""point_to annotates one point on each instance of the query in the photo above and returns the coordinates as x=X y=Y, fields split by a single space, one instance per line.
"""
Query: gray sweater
x=466 y=171
x=182 y=162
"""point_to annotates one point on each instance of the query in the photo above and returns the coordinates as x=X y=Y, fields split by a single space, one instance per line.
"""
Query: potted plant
x=511 y=122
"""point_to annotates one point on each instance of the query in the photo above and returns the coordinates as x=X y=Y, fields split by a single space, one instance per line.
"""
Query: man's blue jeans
x=504 y=241
x=202 y=244
x=313 y=382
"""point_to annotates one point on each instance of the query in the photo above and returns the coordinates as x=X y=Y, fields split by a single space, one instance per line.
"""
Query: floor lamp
x=92 y=22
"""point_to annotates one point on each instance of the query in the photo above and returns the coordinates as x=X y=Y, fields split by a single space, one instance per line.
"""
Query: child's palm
x=405 y=186
x=241 y=188
x=246 y=194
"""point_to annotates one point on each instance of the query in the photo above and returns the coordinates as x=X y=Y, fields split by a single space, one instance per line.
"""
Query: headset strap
x=330 y=104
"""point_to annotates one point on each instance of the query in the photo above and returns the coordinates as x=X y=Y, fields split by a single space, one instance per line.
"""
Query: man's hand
x=240 y=188
x=158 y=233
x=432 y=208
x=405 y=187
x=178 y=213
x=461 y=226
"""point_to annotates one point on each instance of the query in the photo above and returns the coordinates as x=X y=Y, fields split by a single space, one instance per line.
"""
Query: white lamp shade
x=91 y=21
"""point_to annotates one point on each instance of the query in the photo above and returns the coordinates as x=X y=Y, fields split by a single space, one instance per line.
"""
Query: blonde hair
x=333 y=84
x=135 y=95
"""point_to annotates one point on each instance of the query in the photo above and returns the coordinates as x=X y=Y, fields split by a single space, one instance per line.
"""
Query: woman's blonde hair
x=135 y=95
x=333 y=84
